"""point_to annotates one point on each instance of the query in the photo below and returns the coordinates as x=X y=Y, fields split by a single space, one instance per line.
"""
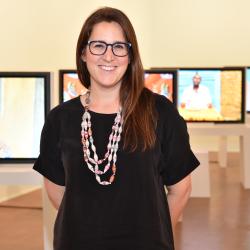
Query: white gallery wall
x=202 y=32
x=42 y=35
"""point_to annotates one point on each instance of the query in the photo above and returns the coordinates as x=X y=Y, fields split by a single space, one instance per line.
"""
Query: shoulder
x=161 y=100
x=188 y=89
x=68 y=107
x=168 y=116
x=203 y=88
x=164 y=106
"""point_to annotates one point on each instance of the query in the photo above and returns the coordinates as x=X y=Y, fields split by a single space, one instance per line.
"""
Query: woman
x=107 y=155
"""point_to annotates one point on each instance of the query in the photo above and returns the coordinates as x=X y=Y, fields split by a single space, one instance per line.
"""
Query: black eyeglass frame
x=129 y=45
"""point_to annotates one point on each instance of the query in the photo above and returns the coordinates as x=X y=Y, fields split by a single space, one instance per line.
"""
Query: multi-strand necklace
x=89 y=150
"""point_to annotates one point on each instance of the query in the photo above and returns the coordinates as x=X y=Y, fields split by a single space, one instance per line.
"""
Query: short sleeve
x=49 y=162
x=178 y=159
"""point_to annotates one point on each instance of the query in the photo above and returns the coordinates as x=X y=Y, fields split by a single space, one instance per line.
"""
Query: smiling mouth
x=107 y=68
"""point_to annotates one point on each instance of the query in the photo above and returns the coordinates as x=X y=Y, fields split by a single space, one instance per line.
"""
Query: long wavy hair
x=137 y=102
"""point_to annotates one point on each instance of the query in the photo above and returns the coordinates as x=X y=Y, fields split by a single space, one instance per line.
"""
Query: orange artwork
x=72 y=87
x=160 y=83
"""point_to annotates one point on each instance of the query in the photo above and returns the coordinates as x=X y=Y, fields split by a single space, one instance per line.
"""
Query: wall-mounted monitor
x=162 y=81
x=69 y=85
x=211 y=94
x=24 y=104
x=248 y=90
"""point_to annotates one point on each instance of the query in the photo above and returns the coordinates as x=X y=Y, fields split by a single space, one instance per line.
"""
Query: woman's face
x=106 y=70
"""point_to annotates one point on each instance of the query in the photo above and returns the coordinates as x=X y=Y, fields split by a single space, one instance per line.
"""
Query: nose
x=108 y=56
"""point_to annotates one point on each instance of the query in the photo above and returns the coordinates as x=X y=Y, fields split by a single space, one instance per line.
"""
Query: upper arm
x=183 y=186
x=51 y=187
x=178 y=160
x=55 y=192
x=49 y=162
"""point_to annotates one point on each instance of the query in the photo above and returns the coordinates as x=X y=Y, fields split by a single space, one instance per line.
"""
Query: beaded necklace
x=89 y=149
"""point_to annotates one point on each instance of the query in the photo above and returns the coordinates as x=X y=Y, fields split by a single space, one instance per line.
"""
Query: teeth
x=108 y=68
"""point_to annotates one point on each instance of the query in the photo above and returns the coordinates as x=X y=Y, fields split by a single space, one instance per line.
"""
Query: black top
x=131 y=213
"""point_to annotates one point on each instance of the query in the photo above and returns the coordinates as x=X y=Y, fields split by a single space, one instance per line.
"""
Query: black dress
x=131 y=213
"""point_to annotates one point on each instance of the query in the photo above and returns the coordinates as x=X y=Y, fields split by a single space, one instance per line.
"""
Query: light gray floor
x=221 y=222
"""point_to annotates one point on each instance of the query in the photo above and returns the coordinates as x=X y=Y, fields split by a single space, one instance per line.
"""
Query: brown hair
x=137 y=102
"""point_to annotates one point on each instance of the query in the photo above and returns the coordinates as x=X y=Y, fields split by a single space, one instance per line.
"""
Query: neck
x=195 y=86
x=104 y=100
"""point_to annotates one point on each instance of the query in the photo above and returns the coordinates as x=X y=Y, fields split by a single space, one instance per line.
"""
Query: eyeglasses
x=118 y=48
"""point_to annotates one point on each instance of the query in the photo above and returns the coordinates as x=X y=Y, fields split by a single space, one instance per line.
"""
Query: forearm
x=178 y=196
x=55 y=192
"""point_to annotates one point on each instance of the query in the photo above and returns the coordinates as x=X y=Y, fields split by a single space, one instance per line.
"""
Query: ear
x=83 y=55
x=83 y=58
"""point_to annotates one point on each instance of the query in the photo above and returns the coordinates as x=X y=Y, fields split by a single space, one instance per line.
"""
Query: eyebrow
x=107 y=42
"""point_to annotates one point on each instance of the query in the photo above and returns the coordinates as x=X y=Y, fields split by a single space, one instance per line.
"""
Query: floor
x=219 y=223
x=21 y=223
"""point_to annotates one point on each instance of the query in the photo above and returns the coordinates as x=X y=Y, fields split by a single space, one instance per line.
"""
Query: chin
x=110 y=83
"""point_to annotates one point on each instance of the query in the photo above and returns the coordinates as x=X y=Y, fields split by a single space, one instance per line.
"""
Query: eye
x=119 y=46
x=98 y=45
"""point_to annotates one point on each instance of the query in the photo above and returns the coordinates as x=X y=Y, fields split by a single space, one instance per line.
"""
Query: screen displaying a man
x=196 y=96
